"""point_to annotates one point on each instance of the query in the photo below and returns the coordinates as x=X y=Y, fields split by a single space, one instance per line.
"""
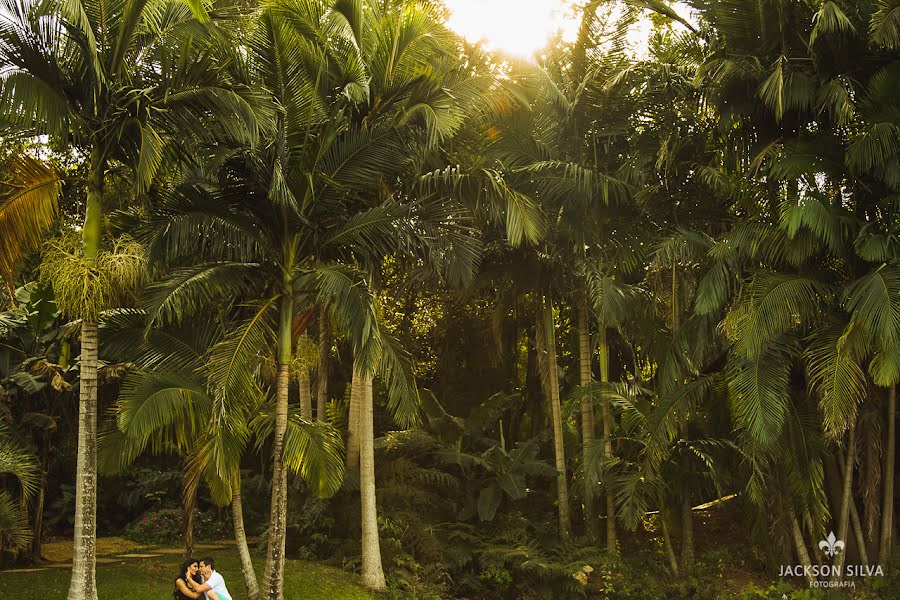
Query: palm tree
x=308 y=241
x=169 y=402
x=96 y=76
x=770 y=76
x=18 y=461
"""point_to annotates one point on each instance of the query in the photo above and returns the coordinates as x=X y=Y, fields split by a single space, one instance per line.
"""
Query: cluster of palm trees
x=722 y=214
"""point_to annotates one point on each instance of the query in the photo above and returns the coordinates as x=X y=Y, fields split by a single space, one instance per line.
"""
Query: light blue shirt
x=217 y=583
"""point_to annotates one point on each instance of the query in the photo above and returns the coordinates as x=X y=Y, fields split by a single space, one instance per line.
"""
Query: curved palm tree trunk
x=352 y=461
x=83 y=585
x=37 y=550
x=372 y=571
x=587 y=416
x=887 y=510
x=603 y=357
x=322 y=375
x=667 y=542
x=189 y=526
x=240 y=537
x=800 y=547
x=546 y=340
x=273 y=577
x=846 y=494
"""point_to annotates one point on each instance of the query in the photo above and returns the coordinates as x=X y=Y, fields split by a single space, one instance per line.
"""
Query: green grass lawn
x=152 y=579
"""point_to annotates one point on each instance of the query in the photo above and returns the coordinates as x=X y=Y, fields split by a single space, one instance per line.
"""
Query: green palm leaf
x=28 y=206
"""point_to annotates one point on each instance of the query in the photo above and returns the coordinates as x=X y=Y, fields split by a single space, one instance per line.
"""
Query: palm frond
x=233 y=363
x=885 y=24
x=834 y=373
x=874 y=302
x=28 y=206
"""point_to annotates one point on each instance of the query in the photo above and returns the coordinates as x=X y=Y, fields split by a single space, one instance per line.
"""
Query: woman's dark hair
x=184 y=567
x=176 y=594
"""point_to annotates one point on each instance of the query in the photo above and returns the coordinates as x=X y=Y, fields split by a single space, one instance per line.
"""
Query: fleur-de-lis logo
x=832 y=545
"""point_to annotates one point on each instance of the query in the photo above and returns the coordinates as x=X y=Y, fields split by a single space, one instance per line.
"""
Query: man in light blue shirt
x=213 y=584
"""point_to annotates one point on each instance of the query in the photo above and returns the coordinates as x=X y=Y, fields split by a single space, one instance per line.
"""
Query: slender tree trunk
x=306 y=410
x=547 y=348
x=189 y=529
x=846 y=494
x=240 y=537
x=800 y=547
x=37 y=550
x=603 y=358
x=667 y=542
x=533 y=386
x=834 y=482
x=372 y=572
x=322 y=375
x=858 y=533
x=356 y=384
x=887 y=509
x=687 y=535
x=855 y=523
x=273 y=577
x=83 y=585
x=870 y=483
x=587 y=417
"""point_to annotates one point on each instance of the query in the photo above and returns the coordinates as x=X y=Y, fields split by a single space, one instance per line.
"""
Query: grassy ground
x=152 y=579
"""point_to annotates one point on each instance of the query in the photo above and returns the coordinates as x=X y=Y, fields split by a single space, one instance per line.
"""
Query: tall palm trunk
x=306 y=410
x=687 y=534
x=322 y=375
x=533 y=386
x=37 y=550
x=356 y=384
x=587 y=417
x=667 y=541
x=240 y=538
x=273 y=577
x=304 y=384
x=372 y=572
x=800 y=547
x=846 y=493
x=188 y=511
x=546 y=339
x=855 y=523
x=887 y=509
x=83 y=585
x=603 y=358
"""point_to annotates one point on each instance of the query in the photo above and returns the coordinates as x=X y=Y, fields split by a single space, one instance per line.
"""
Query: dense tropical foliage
x=324 y=277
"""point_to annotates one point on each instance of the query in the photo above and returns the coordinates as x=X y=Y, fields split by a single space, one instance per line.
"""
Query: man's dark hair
x=209 y=561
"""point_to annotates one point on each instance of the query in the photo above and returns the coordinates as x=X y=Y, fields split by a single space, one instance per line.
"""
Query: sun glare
x=515 y=26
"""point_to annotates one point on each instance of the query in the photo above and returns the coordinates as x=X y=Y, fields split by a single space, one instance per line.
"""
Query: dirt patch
x=61 y=550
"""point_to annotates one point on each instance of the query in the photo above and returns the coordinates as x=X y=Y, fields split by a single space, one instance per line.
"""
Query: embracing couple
x=199 y=579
